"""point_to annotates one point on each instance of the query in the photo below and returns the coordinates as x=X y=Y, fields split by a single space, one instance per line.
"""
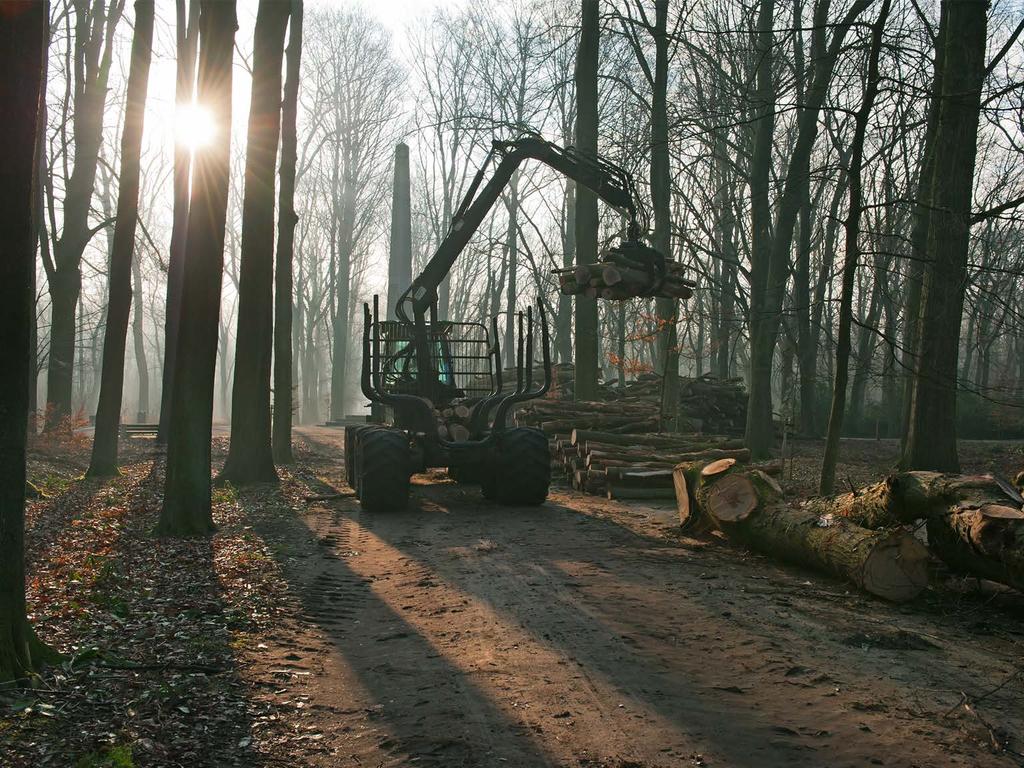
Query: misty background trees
x=770 y=136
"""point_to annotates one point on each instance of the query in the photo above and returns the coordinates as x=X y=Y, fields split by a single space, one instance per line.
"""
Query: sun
x=194 y=126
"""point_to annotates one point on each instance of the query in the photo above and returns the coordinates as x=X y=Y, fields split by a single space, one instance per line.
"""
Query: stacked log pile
x=718 y=405
x=706 y=403
x=563 y=416
x=631 y=466
x=974 y=524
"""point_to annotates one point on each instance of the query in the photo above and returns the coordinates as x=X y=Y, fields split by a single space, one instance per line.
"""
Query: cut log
x=634 y=475
x=607 y=464
x=627 y=492
x=739 y=454
x=749 y=509
x=692 y=446
x=581 y=436
x=458 y=432
x=985 y=541
x=686 y=480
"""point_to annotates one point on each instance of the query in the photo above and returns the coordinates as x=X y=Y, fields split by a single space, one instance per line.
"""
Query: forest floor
x=584 y=632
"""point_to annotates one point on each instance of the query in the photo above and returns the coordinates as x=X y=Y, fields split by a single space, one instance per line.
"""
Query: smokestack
x=400 y=260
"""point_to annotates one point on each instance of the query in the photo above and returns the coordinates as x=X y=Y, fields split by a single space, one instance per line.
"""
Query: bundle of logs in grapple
x=627 y=271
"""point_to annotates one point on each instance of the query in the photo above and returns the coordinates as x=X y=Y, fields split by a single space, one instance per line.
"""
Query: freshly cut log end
x=683 y=503
x=731 y=499
x=896 y=567
x=717 y=467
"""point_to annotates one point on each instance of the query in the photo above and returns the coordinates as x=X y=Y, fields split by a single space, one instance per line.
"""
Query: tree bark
x=586 y=220
x=287 y=219
x=187 y=37
x=119 y=302
x=23 y=39
x=931 y=434
x=186 y=509
x=250 y=457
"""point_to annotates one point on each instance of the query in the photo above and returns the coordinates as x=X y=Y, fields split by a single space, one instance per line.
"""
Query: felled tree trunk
x=748 y=508
x=974 y=522
x=985 y=541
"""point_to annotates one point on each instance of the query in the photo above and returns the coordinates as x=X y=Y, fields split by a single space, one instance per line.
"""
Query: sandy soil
x=589 y=633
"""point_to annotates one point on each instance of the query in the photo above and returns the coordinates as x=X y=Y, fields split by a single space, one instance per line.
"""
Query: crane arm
x=610 y=183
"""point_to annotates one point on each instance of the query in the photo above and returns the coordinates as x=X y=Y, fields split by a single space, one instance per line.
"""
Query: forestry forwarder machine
x=414 y=367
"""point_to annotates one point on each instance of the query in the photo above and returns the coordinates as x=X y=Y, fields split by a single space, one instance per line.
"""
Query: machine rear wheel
x=384 y=467
x=521 y=471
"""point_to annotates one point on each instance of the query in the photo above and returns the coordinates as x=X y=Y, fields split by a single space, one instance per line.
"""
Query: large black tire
x=351 y=434
x=358 y=435
x=521 y=472
x=384 y=467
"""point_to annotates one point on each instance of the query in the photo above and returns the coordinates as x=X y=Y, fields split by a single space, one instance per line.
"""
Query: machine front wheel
x=520 y=472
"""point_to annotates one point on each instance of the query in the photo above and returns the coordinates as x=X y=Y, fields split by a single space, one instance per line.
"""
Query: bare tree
x=250 y=457
x=108 y=414
x=287 y=218
x=23 y=39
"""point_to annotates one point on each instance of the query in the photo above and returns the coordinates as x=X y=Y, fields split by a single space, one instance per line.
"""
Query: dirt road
x=588 y=633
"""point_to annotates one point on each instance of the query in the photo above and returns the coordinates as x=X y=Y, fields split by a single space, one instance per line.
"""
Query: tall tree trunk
x=666 y=310
x=187 y=32
x=186 y=509
x=586 y=220
x=807 y=352
x=512 y=259
x=119 y=302
x=919 y=233
x=759 y=405
x=22 y=51
x=863 y=357
x=139 y=339
x=850 y=259
x=284 y=374
x=563 y=323
x=93 y=41
x=931 y=437
x=250 y=457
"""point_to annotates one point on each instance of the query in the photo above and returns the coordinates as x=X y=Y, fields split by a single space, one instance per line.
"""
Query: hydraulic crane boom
x=610 y=183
